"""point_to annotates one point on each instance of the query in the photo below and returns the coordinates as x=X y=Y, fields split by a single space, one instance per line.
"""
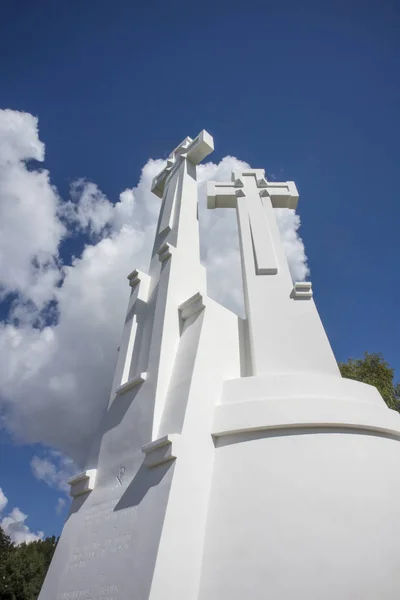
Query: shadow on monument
x=249 y=436
x=113 y=416
x=143 y=481
x=77 y=503
x=120 y=407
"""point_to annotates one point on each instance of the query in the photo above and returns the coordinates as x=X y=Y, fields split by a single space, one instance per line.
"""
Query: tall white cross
x=262 y=252
x=166 y=185
x=252 y=194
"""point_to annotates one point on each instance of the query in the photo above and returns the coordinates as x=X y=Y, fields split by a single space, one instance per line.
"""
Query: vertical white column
x=285 y=333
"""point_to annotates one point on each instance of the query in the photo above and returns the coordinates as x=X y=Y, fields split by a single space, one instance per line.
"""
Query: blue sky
x=308 y=91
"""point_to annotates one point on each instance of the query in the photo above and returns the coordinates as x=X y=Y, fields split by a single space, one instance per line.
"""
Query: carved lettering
x=82 y=554
x=108 y=589
x=75 y=595
x=105 y=512
x=105 y=592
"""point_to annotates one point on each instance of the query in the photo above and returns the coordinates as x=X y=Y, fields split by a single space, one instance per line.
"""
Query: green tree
x=373 y=369
x=6 y=544
x=23 y=568
x=6 y=549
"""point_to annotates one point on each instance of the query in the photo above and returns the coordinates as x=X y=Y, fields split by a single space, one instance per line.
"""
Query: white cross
x=248 y=192
x=254 y=199
x=165 y=184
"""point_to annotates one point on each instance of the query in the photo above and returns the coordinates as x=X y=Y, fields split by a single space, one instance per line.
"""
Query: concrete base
x=320 y=471
x=233 y=462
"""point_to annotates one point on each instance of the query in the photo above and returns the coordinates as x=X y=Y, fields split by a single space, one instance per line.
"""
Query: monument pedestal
x=233 y=462
x=305 y=492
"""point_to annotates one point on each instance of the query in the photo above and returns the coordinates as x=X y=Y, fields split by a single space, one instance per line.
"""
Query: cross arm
x=283 y=195
x=193 y=150
x=158 y=183
x=223 y=195
x=201 y=147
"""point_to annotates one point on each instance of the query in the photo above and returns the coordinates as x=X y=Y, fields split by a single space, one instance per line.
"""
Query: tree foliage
x=23 y=568
x=373 y=369
x=6 y=544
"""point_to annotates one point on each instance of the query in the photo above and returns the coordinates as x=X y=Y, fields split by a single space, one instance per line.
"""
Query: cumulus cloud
x=289 y=223
x=89 y=209
x=61 y=372
x=3 y=500
x=54 y=469
x=46 y=377
x=13 y=524
x=61 y=502
x=30 y=230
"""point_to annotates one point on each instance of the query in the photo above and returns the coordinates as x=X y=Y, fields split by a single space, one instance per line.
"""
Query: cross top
x=225 y=194
x=192 y=150
x=180 y=149
x=251 y=193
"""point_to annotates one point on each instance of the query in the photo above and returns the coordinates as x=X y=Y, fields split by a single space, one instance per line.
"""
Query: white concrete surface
x=233 y=460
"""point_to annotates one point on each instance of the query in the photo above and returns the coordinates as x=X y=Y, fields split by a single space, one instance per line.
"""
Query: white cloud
x=19 y=137
x=13 y=524
x=30 y=231
x=88 y=209
x=54 y=469
x=48 y=377
x=62 y=373
x=3 y=500
x=61 y=502
x=289 y=223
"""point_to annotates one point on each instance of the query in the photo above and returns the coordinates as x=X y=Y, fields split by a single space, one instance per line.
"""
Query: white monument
x=233 y=461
